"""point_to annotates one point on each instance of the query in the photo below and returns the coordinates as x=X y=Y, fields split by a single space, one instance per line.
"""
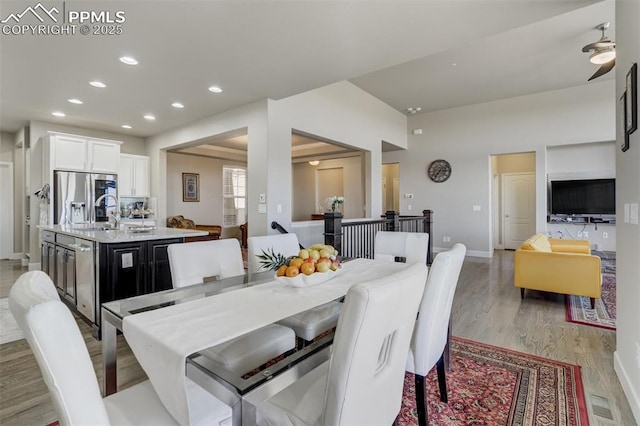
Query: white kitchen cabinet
x=78 y=153
x=103 y=156
x=68 y=152
x=133 y=176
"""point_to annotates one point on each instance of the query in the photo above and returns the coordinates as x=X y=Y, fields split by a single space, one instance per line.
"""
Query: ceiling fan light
x=603 y=56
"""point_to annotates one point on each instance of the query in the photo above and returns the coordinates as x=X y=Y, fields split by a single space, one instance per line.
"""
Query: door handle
x=506 y=215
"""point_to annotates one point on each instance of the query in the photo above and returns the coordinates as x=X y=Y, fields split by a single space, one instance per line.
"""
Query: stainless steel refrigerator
x=75 y=195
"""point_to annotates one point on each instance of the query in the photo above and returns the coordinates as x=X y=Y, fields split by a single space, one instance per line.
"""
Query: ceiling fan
x=603 y=53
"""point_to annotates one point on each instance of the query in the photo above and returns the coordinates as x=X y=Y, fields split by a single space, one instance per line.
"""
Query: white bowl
x=302 y=280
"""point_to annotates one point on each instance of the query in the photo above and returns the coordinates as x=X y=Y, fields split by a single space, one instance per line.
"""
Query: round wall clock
x=439 y=170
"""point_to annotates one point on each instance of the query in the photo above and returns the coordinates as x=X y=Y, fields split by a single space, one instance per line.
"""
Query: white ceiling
x=400 y=51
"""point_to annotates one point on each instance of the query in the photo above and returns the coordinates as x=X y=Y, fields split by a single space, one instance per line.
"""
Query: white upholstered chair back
x=413 y=246
x=366 y=371
x=59 y=349
x=430 y=334
x=285 y=244
x=191 y=262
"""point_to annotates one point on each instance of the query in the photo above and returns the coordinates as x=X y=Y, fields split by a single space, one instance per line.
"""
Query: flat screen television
x=583 y=197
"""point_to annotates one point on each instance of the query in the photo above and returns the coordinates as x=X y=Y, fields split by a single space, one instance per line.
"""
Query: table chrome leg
x=109 y=356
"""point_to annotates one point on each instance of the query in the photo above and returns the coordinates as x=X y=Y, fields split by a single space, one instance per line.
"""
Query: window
x=234 y=193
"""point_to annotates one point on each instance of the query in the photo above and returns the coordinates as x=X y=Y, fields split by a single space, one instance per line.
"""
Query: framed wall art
x=190 y=187
x=632 y=99
x=624 y=135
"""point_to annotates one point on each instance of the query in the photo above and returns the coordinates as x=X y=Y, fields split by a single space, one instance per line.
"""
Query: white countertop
x=90 y=232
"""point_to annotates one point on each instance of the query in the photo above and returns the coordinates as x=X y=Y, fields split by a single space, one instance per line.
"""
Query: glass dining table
x=242 y=393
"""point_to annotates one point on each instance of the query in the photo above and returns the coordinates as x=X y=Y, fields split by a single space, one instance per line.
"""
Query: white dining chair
x=430 y=333
x=409 y=247
x=309 y=324
x=63 y=358
x=190 y=263
x=362 y=382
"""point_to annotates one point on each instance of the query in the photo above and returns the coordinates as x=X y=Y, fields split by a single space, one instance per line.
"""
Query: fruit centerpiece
x=317 y=259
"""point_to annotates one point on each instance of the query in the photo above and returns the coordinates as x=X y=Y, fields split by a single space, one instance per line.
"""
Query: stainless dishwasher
x=76 y=273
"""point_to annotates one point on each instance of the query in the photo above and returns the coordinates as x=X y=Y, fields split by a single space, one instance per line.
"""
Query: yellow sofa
x=558 y=266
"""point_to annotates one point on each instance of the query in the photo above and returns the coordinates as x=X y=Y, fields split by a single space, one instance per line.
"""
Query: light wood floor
x=487 y=308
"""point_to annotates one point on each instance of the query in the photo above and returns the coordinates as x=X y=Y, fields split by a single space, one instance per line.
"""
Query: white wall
x=468 y=136
x=343 y=112
x=208 y=211
x=339 y=112
x=627 y=355
x=253 y=117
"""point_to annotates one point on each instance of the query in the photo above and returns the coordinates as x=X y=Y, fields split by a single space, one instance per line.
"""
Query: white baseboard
x=632 y=397
x=472 y=253
x=34 y=266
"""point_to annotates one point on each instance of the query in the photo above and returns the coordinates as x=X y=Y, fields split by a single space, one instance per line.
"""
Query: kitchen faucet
x=115 y=217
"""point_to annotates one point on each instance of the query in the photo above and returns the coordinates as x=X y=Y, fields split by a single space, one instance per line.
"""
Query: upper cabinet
x=133 y=176
x=82 y=154
x=103 y=156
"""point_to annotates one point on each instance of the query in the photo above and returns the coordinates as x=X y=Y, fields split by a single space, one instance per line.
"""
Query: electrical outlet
x=585 y=234
x=579 y=234
x=444 y=239
x=605 y=235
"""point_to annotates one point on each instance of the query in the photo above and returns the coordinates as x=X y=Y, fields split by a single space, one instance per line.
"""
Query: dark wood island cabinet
x=91 y=266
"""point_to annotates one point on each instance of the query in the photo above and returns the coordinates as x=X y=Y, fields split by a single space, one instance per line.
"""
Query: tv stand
x=581 y=219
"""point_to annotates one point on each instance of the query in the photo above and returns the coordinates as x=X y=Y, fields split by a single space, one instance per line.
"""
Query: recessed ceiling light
x=126 y=126
x=128 y=60
x=75 y=101
x=149 y=117
x=59 y=114
x=215 y=89
x=413 y=110
x=177 y=105
x=97 y=84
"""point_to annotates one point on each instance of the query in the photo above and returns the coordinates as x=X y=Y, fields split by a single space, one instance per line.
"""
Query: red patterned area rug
x=604 y=315
x=495 y=386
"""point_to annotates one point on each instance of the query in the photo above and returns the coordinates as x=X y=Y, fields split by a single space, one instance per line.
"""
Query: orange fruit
x=292 y=271
x=308 y=268
x=296 y=261
x=281 y=271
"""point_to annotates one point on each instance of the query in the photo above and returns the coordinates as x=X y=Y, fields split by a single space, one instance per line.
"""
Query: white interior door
x=519 y=207
x=6 y=210
x=396 y=194
x=384 y=194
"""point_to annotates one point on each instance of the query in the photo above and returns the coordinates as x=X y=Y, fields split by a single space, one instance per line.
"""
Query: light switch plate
x=262 y=208
x=626 y=212
x=476 y=207
x=633 y=213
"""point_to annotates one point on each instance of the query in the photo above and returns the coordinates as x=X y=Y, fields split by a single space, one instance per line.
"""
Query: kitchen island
x=91 y=265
